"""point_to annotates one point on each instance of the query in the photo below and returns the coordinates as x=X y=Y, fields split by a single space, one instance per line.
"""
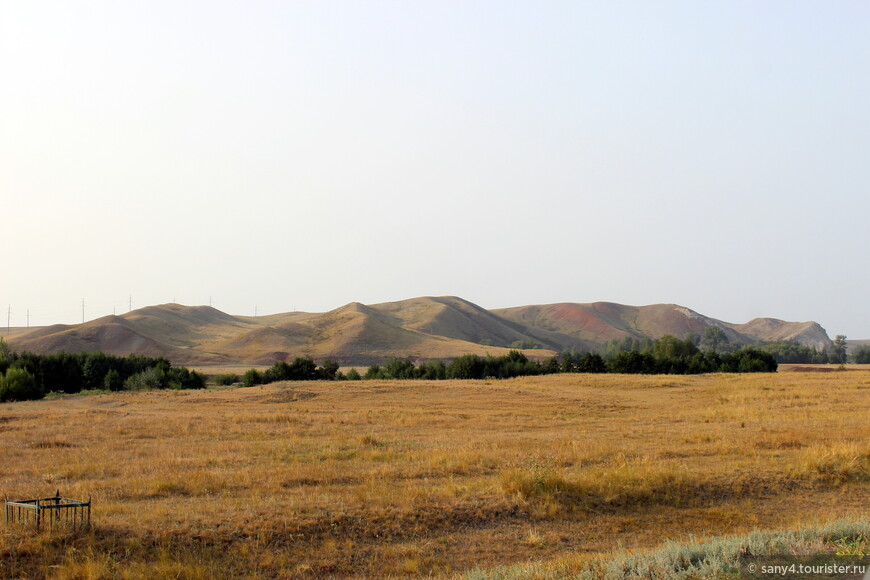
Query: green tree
x=149 y=379
x=433 y=370
x=18 y=385
x=469 y=366
x=551 y=366
x=838 y=354
x=329 y=370
x=374 y=372
x=353 y=375
x=113 y=381
x=5 y=352
x=280 y=371
x=614 y=346
x=631 y=362
x=226 y=380
x=396 y=368
x=752 y=360
x=791 y=351
x=303 y=369
x=671 y=347
x=714 y=339
x=526 y=343
x=569 y=362
x=184 y=378
x=94 y=368
x=251 y=378
x=861 y=355
x=592 y=363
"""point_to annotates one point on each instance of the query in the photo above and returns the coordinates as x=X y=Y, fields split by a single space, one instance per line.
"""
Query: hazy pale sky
x=302 y=155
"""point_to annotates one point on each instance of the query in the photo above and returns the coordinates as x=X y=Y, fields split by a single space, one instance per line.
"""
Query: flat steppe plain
x=395 y=478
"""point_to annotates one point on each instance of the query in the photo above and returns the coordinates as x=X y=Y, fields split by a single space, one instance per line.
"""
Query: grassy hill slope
x=418 y=328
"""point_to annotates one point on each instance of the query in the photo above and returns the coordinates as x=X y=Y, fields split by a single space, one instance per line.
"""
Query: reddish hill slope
x=602 y=321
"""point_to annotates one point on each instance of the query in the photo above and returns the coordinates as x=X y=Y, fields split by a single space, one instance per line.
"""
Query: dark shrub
x=226 y=380
x=19 y=385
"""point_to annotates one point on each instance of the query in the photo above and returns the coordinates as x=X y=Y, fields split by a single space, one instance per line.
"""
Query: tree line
x=794 y=352
x=715 y=340
x=301 y=369
x=29 y=376
x=667 y=355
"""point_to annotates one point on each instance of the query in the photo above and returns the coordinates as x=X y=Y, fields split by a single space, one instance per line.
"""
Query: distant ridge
x=599 y=322
x=418 y=328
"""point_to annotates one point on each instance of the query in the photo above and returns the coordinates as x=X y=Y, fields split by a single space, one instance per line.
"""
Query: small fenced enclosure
x=49 y=512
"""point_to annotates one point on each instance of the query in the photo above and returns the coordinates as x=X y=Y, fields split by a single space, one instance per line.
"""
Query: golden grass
x=838 y=463
x=397 y=479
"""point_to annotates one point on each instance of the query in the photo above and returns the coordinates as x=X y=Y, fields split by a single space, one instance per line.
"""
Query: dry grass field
x=394 y=479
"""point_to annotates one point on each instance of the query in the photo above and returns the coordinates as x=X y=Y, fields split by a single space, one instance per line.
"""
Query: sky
x=269 y=156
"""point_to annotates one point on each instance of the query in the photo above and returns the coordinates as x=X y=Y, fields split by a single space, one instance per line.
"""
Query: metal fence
x=49 y=512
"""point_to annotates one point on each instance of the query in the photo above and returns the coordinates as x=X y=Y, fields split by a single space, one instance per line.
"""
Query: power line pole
x=28 y=318
x=131 y=303
x=83 y=310
x=8 y=319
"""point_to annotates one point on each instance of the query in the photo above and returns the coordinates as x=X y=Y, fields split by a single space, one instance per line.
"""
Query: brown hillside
x=184 y=326
x=657 y=320
x=110 y=335
x=602 y=321
x=806 y=333
x=262 y=345
x=453 y=317
x=356 y=334
x=597 y=323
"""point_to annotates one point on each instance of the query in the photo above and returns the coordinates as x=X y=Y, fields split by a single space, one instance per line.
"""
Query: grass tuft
x=838 y=463
x=716 y=558
x=625 y=485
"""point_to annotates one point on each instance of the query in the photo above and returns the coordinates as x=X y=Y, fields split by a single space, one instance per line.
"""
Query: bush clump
x=226 y=380
x=18 y=385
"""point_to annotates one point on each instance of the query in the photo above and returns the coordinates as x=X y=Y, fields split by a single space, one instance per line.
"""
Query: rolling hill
x=418 y=328
x=599 y=322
